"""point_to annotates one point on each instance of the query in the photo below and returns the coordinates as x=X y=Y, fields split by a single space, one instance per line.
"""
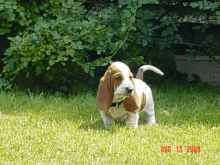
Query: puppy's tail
x=143 y=68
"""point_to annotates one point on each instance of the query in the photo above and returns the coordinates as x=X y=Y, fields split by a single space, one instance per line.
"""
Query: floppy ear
x=132 y=103
x=105 y=93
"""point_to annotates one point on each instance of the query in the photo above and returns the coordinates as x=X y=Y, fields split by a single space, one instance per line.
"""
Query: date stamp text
x=180 y=149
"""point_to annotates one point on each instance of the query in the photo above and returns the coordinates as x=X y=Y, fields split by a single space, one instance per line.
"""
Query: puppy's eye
x=130 y=77
x=118 y=78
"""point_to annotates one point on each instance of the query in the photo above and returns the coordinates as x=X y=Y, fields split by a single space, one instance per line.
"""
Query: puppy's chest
x=117 y=111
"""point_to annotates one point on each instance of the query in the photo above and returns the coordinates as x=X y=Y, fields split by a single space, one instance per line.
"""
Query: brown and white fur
x=121 y=95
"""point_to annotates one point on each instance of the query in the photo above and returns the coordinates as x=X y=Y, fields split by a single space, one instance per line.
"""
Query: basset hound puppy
x=121 y=95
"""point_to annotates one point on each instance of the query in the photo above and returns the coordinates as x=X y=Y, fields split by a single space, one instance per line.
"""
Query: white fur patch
x=122 y=67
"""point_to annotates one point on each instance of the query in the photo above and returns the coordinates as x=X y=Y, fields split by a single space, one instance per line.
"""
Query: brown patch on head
x=117 y=79
x=111 y=80
x=131 y=76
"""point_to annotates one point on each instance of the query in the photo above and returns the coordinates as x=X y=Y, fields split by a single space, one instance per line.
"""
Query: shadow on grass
x=204 y=117
x=98 y=124
x=88 y=121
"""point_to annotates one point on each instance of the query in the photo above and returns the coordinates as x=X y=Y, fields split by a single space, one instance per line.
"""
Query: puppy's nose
x=129 y=90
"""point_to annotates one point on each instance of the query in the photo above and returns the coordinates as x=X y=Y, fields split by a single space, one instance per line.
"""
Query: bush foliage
x=55 y=44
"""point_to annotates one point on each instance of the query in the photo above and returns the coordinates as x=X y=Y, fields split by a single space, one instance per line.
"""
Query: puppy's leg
x=149 y=112
x=107 y=120
x=132 y=119
x=150 y=115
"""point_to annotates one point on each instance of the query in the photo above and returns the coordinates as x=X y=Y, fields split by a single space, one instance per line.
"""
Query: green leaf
x=52 y=62
x=48 y=52
x=195 y=5
x=123 y=29
x=168 y=31
x=144 y=42
x=70 y=2
x=33 y=36
x=46 y=5
x=1 y=7
x=218 y=13
x=165 y=33
x=10 y=11
x=99 y=52
x=45 y=25
x=196 y=27
x=62 y=22
x=21 y=14
x=91 y=72
x=4 y=31
x=79 y=44
x=10 y=64
x=104 y=64
x=12 y=17
x=86 y=68
x=162 y=45
x=98 y=63
x=5 y=84
x=66 y=39
x=91 y=39
x=9 y=51
x=132 y=19
x=86 y=24
x=56 y=36
x=125 y=14
x=25 y=63
x=70 y=52
x=73 y=44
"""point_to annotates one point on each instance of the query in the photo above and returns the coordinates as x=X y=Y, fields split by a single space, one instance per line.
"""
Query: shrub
x=63 y=41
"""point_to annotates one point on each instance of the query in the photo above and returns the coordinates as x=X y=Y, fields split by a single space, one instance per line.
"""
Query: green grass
x=45 y=129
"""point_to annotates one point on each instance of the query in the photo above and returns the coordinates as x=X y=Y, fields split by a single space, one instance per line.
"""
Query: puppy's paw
x=108 y=121
x=151 y=123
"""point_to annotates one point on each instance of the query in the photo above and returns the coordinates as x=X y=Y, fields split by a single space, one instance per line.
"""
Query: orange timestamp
x=179 y=149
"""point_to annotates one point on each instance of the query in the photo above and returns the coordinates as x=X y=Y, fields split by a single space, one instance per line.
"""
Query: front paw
x=151 y=122
x=132 y=123
x=108 y=121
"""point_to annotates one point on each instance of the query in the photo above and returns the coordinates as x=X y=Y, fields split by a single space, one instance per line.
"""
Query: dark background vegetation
x=66 y=45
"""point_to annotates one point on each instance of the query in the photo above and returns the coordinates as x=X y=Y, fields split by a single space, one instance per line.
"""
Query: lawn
x=51 y=129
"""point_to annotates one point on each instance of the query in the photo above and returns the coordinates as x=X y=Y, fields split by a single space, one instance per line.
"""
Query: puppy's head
x=123 y=81
x=117 y=84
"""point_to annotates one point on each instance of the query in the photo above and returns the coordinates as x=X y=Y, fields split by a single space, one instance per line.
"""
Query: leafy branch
x=207 y=46
x=199 y=45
